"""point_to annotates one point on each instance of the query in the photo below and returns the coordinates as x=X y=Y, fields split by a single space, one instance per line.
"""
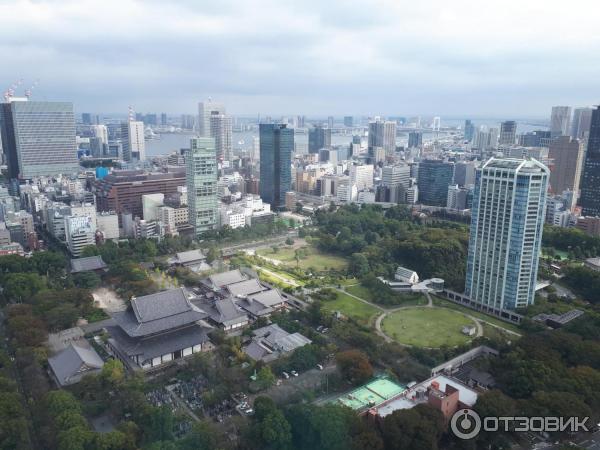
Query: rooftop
x=246 y=287
x=220 y=280
x=371 y=394
x=189 y=257
x=73 y=362
x=155 y=313
x=87 y=264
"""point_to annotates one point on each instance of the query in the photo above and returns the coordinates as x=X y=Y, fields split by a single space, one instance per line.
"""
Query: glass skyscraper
x=590 y=182
x=276 y=148
x=201 y=180
x=38 y=138
x=433 y=179
x=507 y=219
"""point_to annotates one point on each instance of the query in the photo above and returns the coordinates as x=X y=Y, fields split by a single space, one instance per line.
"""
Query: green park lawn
x=314 y=258
x=427 y=327
x=406 y=299
x=350 y=307
x=479 y=315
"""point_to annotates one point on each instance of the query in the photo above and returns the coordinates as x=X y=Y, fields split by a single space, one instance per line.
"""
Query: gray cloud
x=310 y=57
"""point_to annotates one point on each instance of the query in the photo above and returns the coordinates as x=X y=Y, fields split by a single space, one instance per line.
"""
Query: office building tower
x=80 y=232
x=150 y=119
x=507 y=219
x=415 y=139
x=560 y=121
x=348 y=121
x=566 y=154
x=434 y=177
x=361 y=176
x=580 y=126
x=318 y=138
x=276 y=148
x=537 y=138
x=188 y=121
x=163 y=119
x=396 y=175
x=330 y=122
x=132 y=138
x=121 y=191
x=469 y=130
x=221 y=130
x=201 y=181
x=457 y=197
x=86 y=118
x=205 y=110
x=508 y=132
x=38 y=138
x=590 y=182
x=101 y=132
x=301 y=121
x=382 y=134
x=464 y=173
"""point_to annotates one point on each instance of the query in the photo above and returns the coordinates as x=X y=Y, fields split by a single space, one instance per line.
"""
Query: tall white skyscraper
x=205 y=110
x=132 y=138
x=382 y=134
x=221 y=128
x=362 y=176
x=201 y=181
x=560 y=121
x=507 y=219
x=101 y=132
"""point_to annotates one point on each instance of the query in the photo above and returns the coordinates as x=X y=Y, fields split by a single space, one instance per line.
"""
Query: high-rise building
x=361 y=176
x=330 y=122
x=507 y=218
x=101 y=132
x=464 y=173
x=567 y=155
x=201 y=181
x=221 y=129
x=205 y=110
x=580 y=126
x=560 y=121
x=537 y=138
x=590 y=182
x=415 y=139
x=276 y=148
x=382 y=134
x=86 y=118
x=121 y=191
x=38 y=138
x=318 y=138
x=434 y=177
x=163 y=119
x=469 y=130
x=348 y=121
x=508 y=132
x=394 y=175
x=132 y=138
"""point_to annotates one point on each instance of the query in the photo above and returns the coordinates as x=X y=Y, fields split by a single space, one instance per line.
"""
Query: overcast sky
x=479 y=58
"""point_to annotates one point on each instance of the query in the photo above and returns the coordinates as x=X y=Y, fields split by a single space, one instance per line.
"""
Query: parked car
x=286 y=375
x=294 y=373
x=319 y=366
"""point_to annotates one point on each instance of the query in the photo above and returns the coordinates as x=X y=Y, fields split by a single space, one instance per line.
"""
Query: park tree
x=202 y=437
x=87 y=280
x=265 y=377
x=289 y=241
x=20 y=287
x=418 y=428
x=113 y=372
x=355 y=366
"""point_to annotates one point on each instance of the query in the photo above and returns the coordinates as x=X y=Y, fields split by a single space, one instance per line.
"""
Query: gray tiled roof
x=163 y=344
x=87 y=264
x=246 y=287
x=271 y=341
x=189 y=257
x=253 y=307
x=270 y=298
x=155 y=313
x=73 y=362
x=220 y=280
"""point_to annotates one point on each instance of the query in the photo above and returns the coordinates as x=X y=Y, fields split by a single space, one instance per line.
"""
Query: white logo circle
x=465 y=424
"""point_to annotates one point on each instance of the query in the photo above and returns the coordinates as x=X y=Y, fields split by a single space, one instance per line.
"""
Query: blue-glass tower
x=276 y=149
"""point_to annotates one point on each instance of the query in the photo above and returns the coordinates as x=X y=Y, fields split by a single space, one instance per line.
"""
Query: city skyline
x=377 y=57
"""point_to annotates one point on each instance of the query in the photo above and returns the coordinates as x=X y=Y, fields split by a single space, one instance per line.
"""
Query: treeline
x=377 y=241
x=14 y=429
x=548 y=373
x=578 y=244
x=232 y=235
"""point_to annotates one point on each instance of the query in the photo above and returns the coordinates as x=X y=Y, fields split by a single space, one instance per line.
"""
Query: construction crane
x=28 y=91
